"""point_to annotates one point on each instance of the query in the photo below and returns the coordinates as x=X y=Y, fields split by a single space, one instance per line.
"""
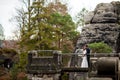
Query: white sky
x=7 y=10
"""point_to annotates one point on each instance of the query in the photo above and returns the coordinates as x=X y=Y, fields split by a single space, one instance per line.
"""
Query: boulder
x=104 y=12
x=105 y=7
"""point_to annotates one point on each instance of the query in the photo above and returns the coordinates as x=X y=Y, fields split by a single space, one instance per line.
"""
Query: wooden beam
x=74 y=69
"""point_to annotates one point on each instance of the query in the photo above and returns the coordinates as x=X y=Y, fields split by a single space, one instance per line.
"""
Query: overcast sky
x=7 y=8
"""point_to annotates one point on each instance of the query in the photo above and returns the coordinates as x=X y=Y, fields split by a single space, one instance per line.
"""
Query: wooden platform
x=74 y=69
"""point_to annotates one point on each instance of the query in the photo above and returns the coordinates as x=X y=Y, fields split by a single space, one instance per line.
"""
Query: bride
x=84 y=63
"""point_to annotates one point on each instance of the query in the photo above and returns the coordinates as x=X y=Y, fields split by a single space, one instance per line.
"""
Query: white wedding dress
x=84 y=63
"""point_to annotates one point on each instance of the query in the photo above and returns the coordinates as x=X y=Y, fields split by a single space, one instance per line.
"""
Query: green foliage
x=46 y=27
x=67 y=47
x=65 y=30
x=14 y=71
x=80 y=17
x=7 y=51
x=65 y=76
x=19 y=66
x=39 y=34
x=13 y=55
x=22 y=61
x=100 y=47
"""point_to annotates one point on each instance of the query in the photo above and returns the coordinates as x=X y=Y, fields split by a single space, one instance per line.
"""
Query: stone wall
x=102 y=25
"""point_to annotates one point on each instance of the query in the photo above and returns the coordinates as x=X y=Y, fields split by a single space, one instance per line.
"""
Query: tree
x=45 y=26
x=58 y=7
x=63 y=22
x=23 y=23
x=43 y=33
x=66 y=29
x=80 y=17
x=33 y=25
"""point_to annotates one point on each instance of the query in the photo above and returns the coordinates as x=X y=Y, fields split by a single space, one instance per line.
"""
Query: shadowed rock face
x=102 y=24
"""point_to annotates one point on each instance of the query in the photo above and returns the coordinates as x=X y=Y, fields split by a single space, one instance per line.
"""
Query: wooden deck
x=74 y=69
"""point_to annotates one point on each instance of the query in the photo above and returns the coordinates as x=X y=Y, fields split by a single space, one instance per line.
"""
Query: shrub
x=100 y=47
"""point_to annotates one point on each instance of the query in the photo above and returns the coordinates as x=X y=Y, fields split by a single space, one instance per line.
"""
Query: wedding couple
x=85 y=57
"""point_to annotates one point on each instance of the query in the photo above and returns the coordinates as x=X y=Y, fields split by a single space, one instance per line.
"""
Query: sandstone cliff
x=102 y=24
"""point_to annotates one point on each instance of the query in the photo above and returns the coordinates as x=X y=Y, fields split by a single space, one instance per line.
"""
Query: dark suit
x=88 y=56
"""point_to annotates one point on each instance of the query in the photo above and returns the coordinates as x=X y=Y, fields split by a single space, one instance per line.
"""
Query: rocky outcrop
x=102 y=25
x=104 y=13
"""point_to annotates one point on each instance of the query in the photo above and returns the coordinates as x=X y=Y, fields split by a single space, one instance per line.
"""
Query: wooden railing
x=58 y=63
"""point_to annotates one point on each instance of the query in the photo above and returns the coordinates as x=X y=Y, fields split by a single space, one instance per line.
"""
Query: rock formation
x=102 y=25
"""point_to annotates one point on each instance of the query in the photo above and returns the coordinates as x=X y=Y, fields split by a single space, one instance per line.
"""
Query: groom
x=88 y=54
